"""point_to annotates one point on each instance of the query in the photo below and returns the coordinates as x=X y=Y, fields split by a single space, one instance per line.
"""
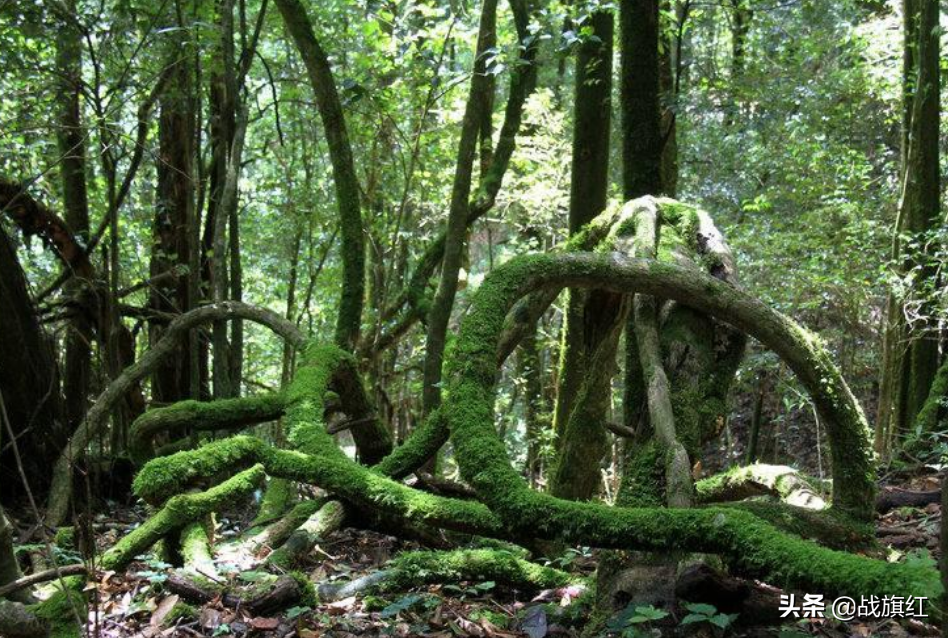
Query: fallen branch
x=41 y=577
x=284 y=592
x=416 y=569
x=892 y=498
x=749 y=481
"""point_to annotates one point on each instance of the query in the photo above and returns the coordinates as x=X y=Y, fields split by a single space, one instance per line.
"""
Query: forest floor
x=136 y=603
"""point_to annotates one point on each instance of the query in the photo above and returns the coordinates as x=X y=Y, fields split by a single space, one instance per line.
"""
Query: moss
x=276 y=533
x=179 y=511
x=180 y=612
x=196 y=550
x=927 y=419
x=65 y=538
x=413 y=569
x=743 y=539
x=315 y=528
x=167 y=476
x=336 y=474
x=277 y=499
x=780 y=478
x=62 y=609
x=746 y=541
x=323 y=366
x=829 y=527
x=203 y=416
x=308 y=596
x=643 y=477
x=423 y=444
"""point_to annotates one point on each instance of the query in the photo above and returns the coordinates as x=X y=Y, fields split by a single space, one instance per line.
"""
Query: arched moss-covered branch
x=200 y=416
x=481 y=454
x=61 y=489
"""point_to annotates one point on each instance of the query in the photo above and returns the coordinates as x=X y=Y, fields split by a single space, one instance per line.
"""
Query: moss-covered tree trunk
x=476 y=110
x=346 y=182
x=587 y=360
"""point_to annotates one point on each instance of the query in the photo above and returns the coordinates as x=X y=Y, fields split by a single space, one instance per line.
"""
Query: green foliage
x=635 y=621
x=701 y=613
x=403 y=604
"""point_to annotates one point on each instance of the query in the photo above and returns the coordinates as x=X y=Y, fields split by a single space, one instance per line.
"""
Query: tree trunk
x=911 y=349
x=29 y=383
x=589 y=331
x=476 y=109
x=171 y=247
x=920 y=207
x=71 y=141
x=349 y=320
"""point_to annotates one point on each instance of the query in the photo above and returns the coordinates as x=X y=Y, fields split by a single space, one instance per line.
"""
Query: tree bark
x=346 y=182
x=589 y=331
x=910 y=349
x=29 y=382
x=171 y=247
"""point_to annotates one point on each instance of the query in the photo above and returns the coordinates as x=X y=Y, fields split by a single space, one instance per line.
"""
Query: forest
x=494 y=318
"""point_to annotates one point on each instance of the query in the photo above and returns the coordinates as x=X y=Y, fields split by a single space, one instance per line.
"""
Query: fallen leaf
x=163 y=609
x=210 y=618
x=265 y=624
x=469 y=628
x=342 y=606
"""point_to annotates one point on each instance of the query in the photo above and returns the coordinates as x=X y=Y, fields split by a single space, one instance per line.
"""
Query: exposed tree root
x=178 y=512
x=416 y=569
x=337 y=474
x=747 y=542
x=509 y=509
x=271 y=596
x=749 y=481
x=315 y=528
